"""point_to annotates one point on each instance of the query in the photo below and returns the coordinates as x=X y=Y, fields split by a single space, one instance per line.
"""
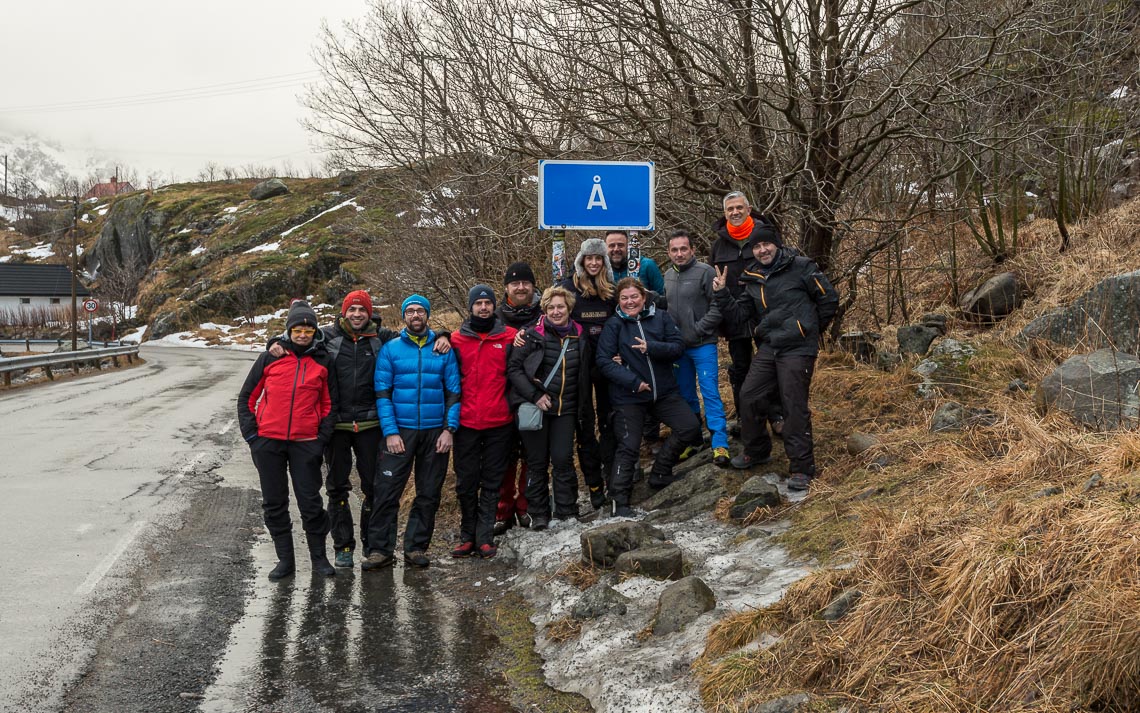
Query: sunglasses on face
x=304 y=331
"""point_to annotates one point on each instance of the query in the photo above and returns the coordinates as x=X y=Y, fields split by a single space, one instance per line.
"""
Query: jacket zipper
x=562 y=386
x=292 y=400
x=652 y=376
x=420 y=387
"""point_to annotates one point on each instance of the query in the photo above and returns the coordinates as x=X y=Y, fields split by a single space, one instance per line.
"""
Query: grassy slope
x=978 y=593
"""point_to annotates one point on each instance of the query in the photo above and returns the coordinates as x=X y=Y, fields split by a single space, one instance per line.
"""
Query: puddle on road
x=360 y=641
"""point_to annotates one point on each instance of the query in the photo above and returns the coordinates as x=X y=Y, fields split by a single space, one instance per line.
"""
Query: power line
x=247 y=86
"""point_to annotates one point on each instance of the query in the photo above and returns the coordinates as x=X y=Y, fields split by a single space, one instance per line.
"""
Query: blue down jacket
x=415 y=387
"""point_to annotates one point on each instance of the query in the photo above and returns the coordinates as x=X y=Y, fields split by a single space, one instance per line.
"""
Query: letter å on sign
x=596 y=195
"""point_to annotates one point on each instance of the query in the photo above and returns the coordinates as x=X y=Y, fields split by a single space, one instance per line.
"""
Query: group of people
x=592 y=365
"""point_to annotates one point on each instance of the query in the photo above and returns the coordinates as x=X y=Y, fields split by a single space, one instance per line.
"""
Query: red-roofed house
x=111 y=188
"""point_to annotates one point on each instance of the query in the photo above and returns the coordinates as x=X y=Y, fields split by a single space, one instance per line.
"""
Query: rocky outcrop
x=130 y=237
x=993 y=300
x=602 y=545
x=1097 y=389
x=599 y=600
x=860 y=344
x=756 y=493
x=696 y=491
x=1106 y=316
x=916 y=339
x=268 y=189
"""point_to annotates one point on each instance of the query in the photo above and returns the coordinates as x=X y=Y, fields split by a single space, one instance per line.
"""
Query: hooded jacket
x=291 y=397
x=531 y=363
x=791 y=303
x=655 y=367
x=691 y=303
x=415 y=387
x=735 y=255
x=483 y=368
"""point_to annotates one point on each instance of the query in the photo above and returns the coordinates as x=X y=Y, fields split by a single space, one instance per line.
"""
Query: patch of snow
x=136 y=336
x=1119 y=93
x=103 y=210
x=38 y=252
x=265 y=247
x=318 y=215
x=5 y=258
x=230 y=209
x=184 y=230
x=265 y=318
x=218 y=327
x=303 y=255
x=9 y=214
x=79 y=250
x=1030 y=194
x=86 y=218
x=198 y=250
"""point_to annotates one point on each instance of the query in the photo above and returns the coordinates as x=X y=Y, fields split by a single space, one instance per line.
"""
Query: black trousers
x=366 y=445
x=740 y=355
x=551 y=449
x=277 y=463
x=790 y=378
x=388 y=486
x=480 y=461
x=629 y=421
x=596 y=453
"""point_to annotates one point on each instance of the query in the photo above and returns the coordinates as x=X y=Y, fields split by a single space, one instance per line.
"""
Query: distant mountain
x=39 y=166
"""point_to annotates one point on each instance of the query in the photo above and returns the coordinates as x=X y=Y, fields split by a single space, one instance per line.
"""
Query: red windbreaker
x=483 y=375
x=287 y=398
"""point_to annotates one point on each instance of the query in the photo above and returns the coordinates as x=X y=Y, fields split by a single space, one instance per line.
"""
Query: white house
x=32 y=286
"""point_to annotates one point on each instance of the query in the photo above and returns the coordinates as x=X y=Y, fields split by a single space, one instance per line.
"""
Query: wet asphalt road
x=134 y=569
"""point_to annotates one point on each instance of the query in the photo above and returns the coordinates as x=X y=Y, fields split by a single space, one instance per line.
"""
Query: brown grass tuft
x=579 y=574
x=564 y=629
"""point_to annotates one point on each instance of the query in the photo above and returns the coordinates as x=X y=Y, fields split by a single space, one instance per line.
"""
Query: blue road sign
x=595 y=195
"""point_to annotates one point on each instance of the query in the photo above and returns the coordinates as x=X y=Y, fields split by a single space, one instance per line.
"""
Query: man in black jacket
x=791 y=303
x=737 y=233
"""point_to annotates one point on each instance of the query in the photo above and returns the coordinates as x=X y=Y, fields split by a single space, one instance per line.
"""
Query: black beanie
x=480 y=292
x=300 y=313
x=768 y=233
x=519 y=271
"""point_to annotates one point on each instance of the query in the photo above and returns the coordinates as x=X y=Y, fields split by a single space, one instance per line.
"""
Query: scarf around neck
x=741 y=232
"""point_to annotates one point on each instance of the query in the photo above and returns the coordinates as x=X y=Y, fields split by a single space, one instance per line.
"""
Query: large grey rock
x=700 y=481
x=268 y=189
x=914 y=339
x=859 y=442
x=130 y=236
x=946 y=370
x=657 y=561
x=860 y=344
x=602 y=545
x=599 y=600
x=757 y=492
x=994 y=299
x=935 y=321
x=681 y=603
x=1107 y=316
x=1097 y=389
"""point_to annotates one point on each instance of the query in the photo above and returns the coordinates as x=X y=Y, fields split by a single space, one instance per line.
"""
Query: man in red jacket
x=285 y=410
x=482 y=443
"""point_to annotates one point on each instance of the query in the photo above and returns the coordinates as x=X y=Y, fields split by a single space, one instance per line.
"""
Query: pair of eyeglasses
x=304 y=330
x=415 y=310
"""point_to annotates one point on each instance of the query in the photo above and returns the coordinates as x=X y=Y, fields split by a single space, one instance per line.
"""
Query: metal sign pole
x=633 y=264
x=558 y=257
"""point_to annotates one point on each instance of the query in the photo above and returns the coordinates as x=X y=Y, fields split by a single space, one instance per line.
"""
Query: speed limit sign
x=90 y=305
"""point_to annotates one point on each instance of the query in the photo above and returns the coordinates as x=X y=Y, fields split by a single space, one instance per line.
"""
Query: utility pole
x=74 y=273
x=5 y=175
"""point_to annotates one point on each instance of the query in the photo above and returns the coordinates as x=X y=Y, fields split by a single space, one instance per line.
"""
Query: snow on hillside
x=39 y=166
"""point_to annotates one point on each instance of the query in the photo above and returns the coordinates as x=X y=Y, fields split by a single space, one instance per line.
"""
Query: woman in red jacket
x=286 y=415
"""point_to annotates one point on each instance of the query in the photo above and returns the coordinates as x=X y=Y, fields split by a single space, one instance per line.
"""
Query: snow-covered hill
x=39 y=166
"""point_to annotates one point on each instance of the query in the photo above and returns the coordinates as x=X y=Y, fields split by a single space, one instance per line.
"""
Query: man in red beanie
x=353 y=343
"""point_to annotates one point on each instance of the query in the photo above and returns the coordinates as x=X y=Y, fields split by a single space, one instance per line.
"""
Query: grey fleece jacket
x=691 y=303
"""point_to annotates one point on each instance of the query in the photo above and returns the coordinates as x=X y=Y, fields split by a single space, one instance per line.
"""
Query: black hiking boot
x=286 y=563
x=318 y=556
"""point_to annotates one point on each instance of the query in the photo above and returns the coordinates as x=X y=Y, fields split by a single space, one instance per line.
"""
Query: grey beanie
x=480 y=292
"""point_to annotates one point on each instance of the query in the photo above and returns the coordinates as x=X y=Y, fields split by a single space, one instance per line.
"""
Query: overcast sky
x=58 y=57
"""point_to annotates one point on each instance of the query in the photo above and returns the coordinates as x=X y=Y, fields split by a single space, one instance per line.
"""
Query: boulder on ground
x=657 y=561
x=859 y=442
x=599 y=600
x=757 y=492
x=839 y=606
x=268 y=189
x=860 y=344
x=1107 y=316
x=602 y=545
x=681 y=603
x=914 y=339
x=937 y=321
x=993 y=300
x=1097 y=389
x=693 y=483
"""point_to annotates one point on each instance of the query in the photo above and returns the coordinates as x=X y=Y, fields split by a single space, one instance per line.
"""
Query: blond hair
x=551 y=292
x=601 y=286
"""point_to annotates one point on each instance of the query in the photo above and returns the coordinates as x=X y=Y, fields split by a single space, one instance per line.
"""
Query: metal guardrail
x=47 y=361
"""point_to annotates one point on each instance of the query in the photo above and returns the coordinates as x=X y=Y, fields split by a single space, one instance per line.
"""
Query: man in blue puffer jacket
x=642 y=386
x=417 y=397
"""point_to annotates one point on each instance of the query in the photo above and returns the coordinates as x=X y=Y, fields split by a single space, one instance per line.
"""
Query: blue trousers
x=698 y=365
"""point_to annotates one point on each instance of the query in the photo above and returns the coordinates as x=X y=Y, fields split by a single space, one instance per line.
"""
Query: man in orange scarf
x=736 y=234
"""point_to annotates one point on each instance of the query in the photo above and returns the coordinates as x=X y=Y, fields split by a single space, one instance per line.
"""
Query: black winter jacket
x=520 y=317
x=655 y=367
x=530 y=365
x=791 y=303
x=734 y=255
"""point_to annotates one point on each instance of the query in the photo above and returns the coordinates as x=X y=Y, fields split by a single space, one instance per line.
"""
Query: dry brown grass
x=564 y=629
x=979 y=593
x=579 y=574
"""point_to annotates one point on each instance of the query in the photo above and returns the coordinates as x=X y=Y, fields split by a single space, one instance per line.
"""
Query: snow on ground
x=5 y=258
x=198 y=250
x=9 y=214
x=103 y=210
x=136 y=336
x=609 y=663
x=38 y=252
x=349 y=202
x=230 y=209
x=184 y=230
x=265 y=247
x=1119 y=93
